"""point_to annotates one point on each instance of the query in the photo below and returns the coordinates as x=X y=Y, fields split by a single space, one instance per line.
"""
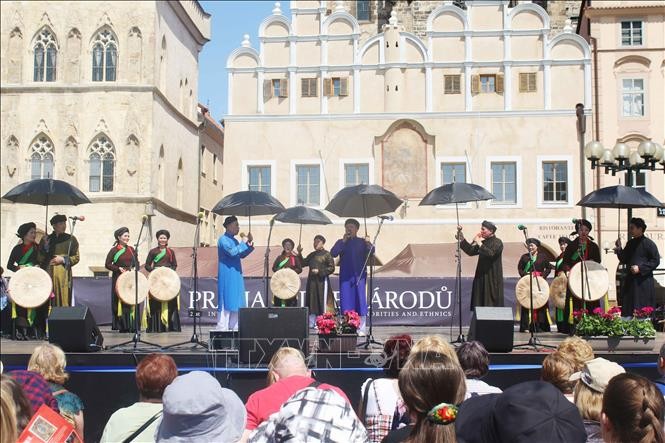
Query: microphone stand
x=194 y=313
x=266 y=266
x=458 y=288
x=369 y=337
x=68 y=262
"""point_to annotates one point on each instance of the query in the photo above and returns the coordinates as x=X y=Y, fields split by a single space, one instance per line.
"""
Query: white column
x=259 y=92
x=292 y=52
x=356 y=91
x=229 y=89
x=292 y=91
x=428 y=89
x=507 y=87
x=467 y=87
x=587 y=85
x=547 y=87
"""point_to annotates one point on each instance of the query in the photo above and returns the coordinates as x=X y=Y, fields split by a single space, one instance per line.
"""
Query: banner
x=395 y=301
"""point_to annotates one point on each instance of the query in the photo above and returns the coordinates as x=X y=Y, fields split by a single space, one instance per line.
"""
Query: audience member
x=8 y=428
x=533 y=411
x=436 y=344
x=49 y=361
x=22 y=408
x=591 y=384
x=577 y=350
x=312 y=415
x=633 y=411
x=660 y=382
x=36 y=389
x=290 y=374
x=475 y=361
x=382 y=408
x=557 y=370
x=197 y=409
x=138 y=422
x=432 y=385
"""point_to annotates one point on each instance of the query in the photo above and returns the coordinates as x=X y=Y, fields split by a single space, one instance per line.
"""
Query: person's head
x=288 y=245
x=533 y=244
x=122 y=236
x=582 y=228
x=487 y=229
x=633 y=410
x=59 y=223
x=577 y=350
x=285 y=363
x=49 y=361
x=435 y=344
x=231 y=225
x=27 y=232
x=22 y=406
x=636 y=227
x=153 y=374
x=351 y=227
x=563 y=243
x=432 y=386
x=396 y=349
x=8 y=428
x=474 y=359
x=319 y=242
x=163 y=236
x=557 y=370
x=591 y=384
x=661 y=360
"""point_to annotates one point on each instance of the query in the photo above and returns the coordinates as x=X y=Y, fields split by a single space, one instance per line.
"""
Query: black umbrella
x=248 y=203
x=303 y=215
x=456 y=193
x=363 y=201
x=45 y=192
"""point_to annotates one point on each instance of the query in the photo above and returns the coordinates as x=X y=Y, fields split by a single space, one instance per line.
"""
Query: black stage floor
x=105 y=380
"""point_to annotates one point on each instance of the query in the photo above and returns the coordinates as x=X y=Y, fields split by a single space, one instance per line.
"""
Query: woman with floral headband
x=121 y=258
x=164 y=315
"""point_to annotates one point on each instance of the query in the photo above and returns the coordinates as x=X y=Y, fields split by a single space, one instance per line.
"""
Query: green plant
x=611 y=324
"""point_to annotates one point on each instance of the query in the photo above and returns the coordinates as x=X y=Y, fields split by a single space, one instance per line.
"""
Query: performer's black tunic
x=155 y=323
x=539 y=316
x=488 y=282
x=28 y=322
x=316 y=283
x=122 y=320
x=638 y=290
x=572 y=256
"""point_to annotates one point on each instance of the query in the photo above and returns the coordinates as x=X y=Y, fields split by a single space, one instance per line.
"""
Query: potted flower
x=609 y=331
x=338 y=333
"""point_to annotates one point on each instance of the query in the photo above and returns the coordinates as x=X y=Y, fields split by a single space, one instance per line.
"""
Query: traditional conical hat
x=164 y=283
x=558 y=290
x=285 y=284
x=30 y=287
x=125 y=285
x=596 y=280
x=541 y=291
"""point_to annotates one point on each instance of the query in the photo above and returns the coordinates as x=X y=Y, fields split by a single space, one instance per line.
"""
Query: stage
x=105 y=380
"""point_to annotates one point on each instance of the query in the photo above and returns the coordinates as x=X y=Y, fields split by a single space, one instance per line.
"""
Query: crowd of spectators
x=430 y=392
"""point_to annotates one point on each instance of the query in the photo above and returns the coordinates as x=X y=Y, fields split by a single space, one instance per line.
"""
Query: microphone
x=144 y=218
x=575 y=220
x=386 y=217
x=521 y=227
x=199 y=215
x=78 y=217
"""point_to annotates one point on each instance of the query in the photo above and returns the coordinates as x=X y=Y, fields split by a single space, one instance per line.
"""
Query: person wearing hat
x=163 y=314
x=230 y=284
x=60 y=251
x=319 y=296
x=641 y=258
x=581 y=248
x=558 y=263
x=287 y=259
x=487 y=287
x=120 y=259
x=26 y=322
x=538 y=266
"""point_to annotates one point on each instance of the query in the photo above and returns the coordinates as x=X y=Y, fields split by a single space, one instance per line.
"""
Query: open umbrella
x=45 y=192
x=303 y=215
x=248 y=203
x=363 y=201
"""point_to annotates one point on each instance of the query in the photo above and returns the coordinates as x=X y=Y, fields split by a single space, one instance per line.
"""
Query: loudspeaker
x=493 y=327
x=74 y=329
x=223 y=340
x=262 y=331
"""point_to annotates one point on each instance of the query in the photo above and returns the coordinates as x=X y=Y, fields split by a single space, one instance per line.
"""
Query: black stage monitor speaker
x=74 y=329
x=262 y=331
x=493 y=327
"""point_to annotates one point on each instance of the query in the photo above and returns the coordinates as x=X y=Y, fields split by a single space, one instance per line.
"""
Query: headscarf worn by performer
x=120 y=259
x=287 y=259
x=164 y=315
x=539 y=266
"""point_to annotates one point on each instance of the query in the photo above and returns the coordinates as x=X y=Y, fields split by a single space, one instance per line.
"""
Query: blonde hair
x=49 y=361
x=435 y=344
x=557 y=370
x=8 y=428
x=577 y=350
x=588 y=401
x=283 y=362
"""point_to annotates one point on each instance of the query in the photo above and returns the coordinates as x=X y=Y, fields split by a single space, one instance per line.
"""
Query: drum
x=596 y=280
x=125 y=285
x=285 y=284
x=164 y=283
x=541 y=292
x=30 y=287
x=558 y=290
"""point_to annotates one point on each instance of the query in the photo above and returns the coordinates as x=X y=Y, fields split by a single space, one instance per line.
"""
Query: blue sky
x=230 y=20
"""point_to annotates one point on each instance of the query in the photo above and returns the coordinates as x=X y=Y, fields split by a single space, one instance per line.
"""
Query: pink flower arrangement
x=610 y=323
x=330 y=324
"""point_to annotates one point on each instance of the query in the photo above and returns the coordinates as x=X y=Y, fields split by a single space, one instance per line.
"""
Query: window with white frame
x=362 y=10
x=41 y=158
x=633 y=97
x=102 y=165
x=356 y=174
x=259 y=178
x=308 y=185
x=504 y=182
x=104 y=56
x=555 y=181
x=631 y=33
x=638 y=179
x=453 y=173
x=45 y=53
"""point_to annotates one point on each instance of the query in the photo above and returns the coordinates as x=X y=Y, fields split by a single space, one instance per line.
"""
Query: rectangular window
x=309 y=87
x=451 y=84
x=527 y=82
x=275 y=88
x=259 y=178
x=308 y=187
x=504 y=182
x=633 y=97
x=336 y=87
x=108 y=166
x=362 y=10
x=356 y=174
x=639 y=179
x=555 y=182
x=453 y=173
x=487 y=83
x=631 y=33
x=95 y=173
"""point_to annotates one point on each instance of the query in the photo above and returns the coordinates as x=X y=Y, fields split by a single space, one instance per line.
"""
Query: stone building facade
x=103 y=95
x=211 y=187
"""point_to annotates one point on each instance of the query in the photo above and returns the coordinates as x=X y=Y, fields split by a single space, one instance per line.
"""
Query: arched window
x=104 y=56
x=102 y=164
x=41 y=158
x=46 y=53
